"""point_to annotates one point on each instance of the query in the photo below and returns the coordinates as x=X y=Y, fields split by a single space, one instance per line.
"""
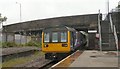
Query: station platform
x=90 y=58
x=13 y=50
x=96 y=59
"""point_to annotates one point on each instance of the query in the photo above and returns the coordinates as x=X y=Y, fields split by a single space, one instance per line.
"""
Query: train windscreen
x=46 y=37
x=63 y=36
x=55 y=36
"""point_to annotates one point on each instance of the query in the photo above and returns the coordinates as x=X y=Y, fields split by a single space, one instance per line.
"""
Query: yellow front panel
x=56 y=47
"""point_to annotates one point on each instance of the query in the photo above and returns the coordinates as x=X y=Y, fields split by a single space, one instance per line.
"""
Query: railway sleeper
x=56 y=56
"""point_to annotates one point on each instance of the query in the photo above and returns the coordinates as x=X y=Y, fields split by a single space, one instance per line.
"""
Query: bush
x=31 y=43
x=0 y=44
x=20 y=45
x=13 y=44
x=8 y=44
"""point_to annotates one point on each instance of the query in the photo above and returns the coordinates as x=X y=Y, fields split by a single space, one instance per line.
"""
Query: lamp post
x=108 y=6
x=20 y=11
x=20 y=19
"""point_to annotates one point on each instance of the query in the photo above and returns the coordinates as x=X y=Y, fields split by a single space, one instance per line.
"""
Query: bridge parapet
x=88 y=21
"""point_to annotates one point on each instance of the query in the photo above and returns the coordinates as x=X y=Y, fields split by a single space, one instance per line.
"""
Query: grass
x=0 y=65
x=22 y=60
x=13 y=44
x=0 y=44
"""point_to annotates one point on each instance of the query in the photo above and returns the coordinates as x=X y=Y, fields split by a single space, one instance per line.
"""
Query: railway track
x=48 y=65
x=16 y=52
x=39 y=63
x=63 y=62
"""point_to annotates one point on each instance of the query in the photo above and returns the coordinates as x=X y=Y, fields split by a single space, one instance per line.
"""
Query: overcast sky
x=41 y=9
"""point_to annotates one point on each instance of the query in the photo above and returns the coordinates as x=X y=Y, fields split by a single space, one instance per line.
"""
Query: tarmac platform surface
x=13 y=50
x=92 y=58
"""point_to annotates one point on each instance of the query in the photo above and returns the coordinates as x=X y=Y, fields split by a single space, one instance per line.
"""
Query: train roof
x=59 y=28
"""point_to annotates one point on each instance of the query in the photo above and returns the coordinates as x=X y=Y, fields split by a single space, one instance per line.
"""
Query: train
x=57 y=42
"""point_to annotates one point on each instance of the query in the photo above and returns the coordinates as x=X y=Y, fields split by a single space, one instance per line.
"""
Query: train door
x=72 y=40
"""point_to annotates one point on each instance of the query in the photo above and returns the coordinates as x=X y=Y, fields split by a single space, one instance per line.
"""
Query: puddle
x=93 y=56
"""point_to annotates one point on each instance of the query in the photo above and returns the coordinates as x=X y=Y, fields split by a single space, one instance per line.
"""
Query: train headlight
x=46 y=46
x=64 y=45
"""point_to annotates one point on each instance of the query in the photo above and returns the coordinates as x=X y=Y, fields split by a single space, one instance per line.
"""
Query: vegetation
x=31 y=43
x=2 y=19
x=8 y=44
x=22 y=60
x=13 y=44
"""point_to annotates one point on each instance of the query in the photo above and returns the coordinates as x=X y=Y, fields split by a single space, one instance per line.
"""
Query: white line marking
x=63 y=60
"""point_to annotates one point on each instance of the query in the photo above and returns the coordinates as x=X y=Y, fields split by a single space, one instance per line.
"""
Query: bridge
x=80 y=22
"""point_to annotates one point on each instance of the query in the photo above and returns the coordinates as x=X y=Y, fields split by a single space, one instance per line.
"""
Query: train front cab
x=56 y=42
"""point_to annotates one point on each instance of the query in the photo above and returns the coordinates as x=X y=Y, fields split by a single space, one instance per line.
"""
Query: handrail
x=113 y=28
x=116 y=38
x=111 y=23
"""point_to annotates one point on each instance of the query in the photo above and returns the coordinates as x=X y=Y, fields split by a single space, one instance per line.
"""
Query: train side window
x=63 y=37
x=46 y=37
x=54 y=37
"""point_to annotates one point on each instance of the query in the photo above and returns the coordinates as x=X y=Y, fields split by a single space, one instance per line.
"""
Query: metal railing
x=116 y=38
x=111 y=23
x=113 y=28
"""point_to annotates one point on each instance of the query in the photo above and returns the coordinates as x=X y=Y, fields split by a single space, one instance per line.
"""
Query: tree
x=2 y=19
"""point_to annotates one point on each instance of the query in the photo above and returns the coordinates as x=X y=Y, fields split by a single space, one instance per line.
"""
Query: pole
x=20 y=18
x=99 y=27
x=20 y=11
x=108 y=6
x=20 y=25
